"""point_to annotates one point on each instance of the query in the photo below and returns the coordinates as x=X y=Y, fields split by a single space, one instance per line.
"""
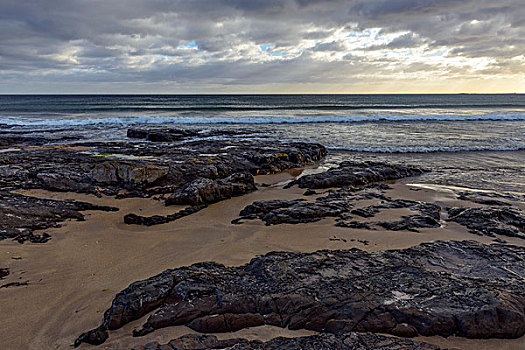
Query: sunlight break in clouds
x=271 y=46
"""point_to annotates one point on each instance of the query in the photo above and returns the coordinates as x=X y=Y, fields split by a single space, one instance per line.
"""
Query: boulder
x=207 y=191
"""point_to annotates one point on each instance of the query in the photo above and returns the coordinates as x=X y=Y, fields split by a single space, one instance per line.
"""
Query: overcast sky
x=261 y=46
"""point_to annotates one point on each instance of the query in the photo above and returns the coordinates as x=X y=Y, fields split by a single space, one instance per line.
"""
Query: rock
x=161 y=135
x=351 y=173
x=489 y=221
x=207 y=191
x=366 y=212
x=350 y=341
x=14 y=284
x=465 y=289
x=338 y=203
x=261 y=208
x=411 y=223
x=466 y=196
x=135 y=169
x=124 y=173
x=297 y=211
x=134 y=219
x=144 y=169
x=354 y=224
x=4 y=272
x=21 y=215
x=309 y=192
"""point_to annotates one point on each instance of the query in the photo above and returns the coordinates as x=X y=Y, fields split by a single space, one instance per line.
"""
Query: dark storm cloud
x=254 y=42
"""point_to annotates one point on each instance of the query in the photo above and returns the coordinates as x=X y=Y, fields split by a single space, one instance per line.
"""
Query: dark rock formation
x=207 y=191
x=147 y=168
x=350 y=341
x=21 y=215
x=276 y=212
x=309 y=192
x=367 y=212
x=490 y=220
x=464 y=288
x=4 y=272
x=338 y=203
x=134 y=168
x=351 y=173
x=354 y=224
x=134 y=219
x=161 y=135
x=410 y=223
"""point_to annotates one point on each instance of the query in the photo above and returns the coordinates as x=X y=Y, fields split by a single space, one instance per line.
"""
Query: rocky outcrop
x=276 y=212
x=351 y=173
x=207 y=191
x=410 y=223
x=134 y=174
x=338 y=204
x=194 y=172
x=490 y=221
x=350 y=341
x=134 y=219
x=143 y=169
x=21 y=215
x=466 y=289
x=161 y=135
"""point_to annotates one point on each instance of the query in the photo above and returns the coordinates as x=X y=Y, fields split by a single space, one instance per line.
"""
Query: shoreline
x=74 y=277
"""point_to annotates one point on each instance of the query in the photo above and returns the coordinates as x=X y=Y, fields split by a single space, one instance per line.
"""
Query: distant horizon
x=256 y=94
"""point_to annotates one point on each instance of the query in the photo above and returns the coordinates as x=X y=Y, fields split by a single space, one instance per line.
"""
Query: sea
x=474 y=141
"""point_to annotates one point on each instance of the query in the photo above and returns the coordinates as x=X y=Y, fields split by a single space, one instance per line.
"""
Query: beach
x=115 y=236
x=73 y=278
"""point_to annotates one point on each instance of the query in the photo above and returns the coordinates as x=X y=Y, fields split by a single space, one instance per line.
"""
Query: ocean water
x=475 y=141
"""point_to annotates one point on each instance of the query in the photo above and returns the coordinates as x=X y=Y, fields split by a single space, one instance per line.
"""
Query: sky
x=262 y=46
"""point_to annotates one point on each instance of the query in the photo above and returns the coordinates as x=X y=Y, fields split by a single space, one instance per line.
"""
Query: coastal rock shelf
x=189 y=170
x=465 y=288
x=489 y=221
x=353 y=173
x=207 y=191
x=146 y=168
x=355 y=341
x=21 y=215
x=339 y=203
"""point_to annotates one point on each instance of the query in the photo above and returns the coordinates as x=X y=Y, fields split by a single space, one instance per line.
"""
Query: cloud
x=343 y=43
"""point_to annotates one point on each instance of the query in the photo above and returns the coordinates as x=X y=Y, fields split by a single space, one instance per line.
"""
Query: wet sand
x=73 y=278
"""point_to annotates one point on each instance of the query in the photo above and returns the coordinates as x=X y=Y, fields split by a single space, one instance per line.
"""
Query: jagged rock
x=120 y=172
x=354 y=224
x=274 y=212
x=410 y=223
x=350 y=341
x=490 y=220
x=21 y=215
x=261 y=208
x=366 y=212
x=338 y=203
x=207 y=191
x=144 y=169
x=161 y=135
x=351 y=173
x=136 y=169
x=465 y=196
x=466 y=289
x=134 y=219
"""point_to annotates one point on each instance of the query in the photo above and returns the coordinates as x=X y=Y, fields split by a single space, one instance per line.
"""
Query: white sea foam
x=145 y=119
x=428 y=149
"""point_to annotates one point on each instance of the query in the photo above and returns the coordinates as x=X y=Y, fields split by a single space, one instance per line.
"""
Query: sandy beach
x=73 y=278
